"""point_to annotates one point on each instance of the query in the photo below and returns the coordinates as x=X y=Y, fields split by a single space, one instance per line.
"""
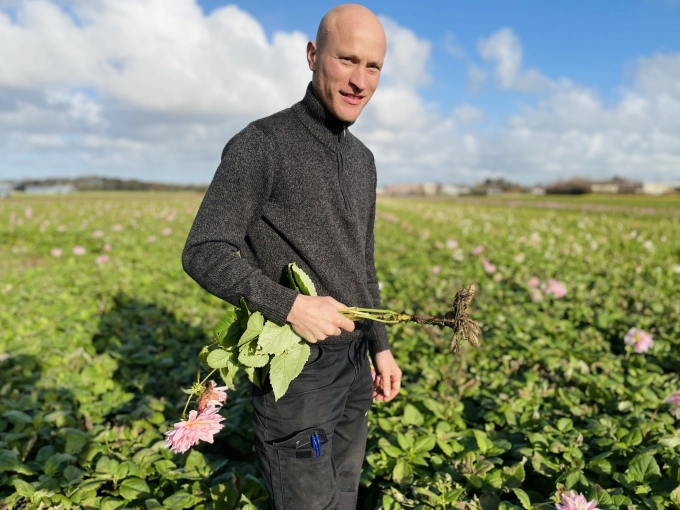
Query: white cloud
x=505 y=50
x=152 y=89
x=452 y=46
x=466 y=114
x=476 y=78
x=407 y=57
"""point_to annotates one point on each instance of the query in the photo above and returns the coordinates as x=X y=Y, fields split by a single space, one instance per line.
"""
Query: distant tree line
x=109 y=184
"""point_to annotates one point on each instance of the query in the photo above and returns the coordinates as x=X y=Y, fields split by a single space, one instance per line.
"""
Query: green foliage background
x=92 y=359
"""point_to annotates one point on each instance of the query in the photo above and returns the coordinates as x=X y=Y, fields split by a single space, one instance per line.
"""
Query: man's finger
x=396 y=384
x=387 y=383
x=346 y=324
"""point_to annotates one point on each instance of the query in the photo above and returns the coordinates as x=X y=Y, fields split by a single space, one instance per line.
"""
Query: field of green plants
x=100 y=327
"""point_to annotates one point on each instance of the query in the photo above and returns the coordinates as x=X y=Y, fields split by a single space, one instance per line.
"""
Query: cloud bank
x=153 y=89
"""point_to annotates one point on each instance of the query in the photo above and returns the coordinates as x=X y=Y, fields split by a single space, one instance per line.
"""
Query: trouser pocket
x=305 y=469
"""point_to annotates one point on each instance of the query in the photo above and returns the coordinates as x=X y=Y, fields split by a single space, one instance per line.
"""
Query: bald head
x=342 y=16
x=346 y=59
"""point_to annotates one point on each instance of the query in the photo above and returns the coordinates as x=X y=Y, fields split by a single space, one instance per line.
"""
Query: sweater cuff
x=377 y=338
x=275 y=302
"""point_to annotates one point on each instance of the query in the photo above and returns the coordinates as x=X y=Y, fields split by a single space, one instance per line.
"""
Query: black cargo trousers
x=329 y=400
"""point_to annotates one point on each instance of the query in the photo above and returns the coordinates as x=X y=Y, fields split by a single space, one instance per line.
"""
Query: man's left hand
x=388 y=377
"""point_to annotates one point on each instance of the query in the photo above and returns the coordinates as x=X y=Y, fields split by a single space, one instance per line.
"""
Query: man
x=299 y=187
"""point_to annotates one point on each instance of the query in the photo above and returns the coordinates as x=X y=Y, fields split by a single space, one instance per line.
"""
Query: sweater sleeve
x=235 y=198
x=377 y=335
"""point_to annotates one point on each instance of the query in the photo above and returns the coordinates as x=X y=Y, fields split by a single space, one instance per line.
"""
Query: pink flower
x=56 y=252
x=640 y=339
x=571 y=501
x=107 y=247
x=534 y=282
x=151 y=239
x=477 y=250
x=166 y=231
x=78 y=250
x=536 y=295
x=199 y=427
x=373 y=374
x=554 y=288
x=436 y=270
x=28 y=212
x=451 y=244
x=98 y=233
x=117 y=227
x=438 y=245
x=212 y=396
x=674 y=401
x=498 y=277
x=102 y=259
x=488 y=266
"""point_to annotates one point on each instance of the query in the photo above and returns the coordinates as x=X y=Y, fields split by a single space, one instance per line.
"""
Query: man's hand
x=315 y=318
x=387 y=377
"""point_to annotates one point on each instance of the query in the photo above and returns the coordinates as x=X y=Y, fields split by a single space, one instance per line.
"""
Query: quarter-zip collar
x=320 y=121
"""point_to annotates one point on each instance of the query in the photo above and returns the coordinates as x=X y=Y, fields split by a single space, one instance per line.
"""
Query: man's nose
x=358 y=77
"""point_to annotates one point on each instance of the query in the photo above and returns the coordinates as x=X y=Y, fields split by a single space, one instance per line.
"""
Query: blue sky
x=562 y=88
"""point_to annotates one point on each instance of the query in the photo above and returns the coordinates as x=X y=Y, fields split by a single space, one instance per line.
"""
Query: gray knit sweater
x=293 y=187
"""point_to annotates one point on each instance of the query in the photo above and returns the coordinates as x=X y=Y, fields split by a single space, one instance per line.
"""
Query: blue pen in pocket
x=316 y=444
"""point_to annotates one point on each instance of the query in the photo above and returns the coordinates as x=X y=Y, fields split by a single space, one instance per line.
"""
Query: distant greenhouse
x=54 y=189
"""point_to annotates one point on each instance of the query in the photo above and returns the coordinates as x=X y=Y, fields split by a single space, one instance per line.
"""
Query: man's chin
x=349 y=114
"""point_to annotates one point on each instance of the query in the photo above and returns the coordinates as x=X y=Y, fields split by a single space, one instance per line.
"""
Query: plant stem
x=202 y=383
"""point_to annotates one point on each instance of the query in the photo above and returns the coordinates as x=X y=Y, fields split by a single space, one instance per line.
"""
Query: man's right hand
x=315 y=318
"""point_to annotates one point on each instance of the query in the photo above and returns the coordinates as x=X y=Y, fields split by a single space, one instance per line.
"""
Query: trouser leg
x=329 y=392
x=349 y=438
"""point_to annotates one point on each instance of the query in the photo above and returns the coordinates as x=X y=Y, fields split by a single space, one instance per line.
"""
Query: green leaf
x=133 y=488
x=109 y=503
x=75 y=440
x=633 y=438
x=513 y=475
x=523 y=498
x=643 y=469
x=180 y=500
x=275 y=339
x=483 y=442
x=287 y=366
x=412 y=416
x=10 y=462
x=17 y=417
x=223 y=325
x=424 y=444
x=402 y=472
x=405 y=442
x=255 y=325
x=107 y=466
x=489 y=501
x=675 y=496
x=250 y=357
x=196 y=462
x=219 y=358
x=565 y=424
x=303 y=282
x=23 y=488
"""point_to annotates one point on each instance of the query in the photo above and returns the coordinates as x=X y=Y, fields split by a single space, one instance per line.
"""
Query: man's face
x=346 y=67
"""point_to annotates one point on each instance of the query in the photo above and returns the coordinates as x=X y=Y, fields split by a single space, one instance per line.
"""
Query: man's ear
x=311 y=55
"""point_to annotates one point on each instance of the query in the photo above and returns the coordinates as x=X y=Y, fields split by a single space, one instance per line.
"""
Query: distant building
x=615 y=185
x=380 y=190
x=431 y=189
x=54 y=189
x=659 y=188
x=404 y=190
x=6 y=189
x=537 y=190
x=455 y=190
